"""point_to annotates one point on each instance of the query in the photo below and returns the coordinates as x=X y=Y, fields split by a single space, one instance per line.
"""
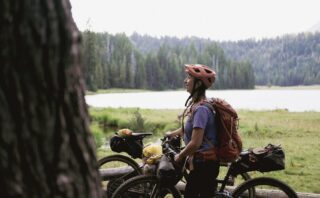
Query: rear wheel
x=235 y=180
x=265 y=187
x=145 y=186
x=116 y=169
x=243 y=178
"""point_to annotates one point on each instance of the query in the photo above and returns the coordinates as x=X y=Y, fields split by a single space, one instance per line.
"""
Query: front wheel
x=115 y=169
x=145 y=186
x=264 y=187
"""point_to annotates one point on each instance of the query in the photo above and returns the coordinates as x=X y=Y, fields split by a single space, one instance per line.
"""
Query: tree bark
x=46 y=148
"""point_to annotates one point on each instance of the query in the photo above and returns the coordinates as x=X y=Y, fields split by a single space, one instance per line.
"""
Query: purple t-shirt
x=202 y=118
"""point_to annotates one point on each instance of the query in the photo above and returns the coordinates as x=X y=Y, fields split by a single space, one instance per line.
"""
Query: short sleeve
x=200 y=117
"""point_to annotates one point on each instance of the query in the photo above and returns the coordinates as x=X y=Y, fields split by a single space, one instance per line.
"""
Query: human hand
x=168 y=133
x=177 y=158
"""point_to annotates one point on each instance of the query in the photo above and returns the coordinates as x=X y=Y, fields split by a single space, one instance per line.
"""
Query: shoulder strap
x=187 y=111
x=209 y=105
x=208 y=141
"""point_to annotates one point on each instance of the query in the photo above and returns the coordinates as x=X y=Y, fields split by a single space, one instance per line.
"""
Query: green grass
x=297 y=132
x=155 y=121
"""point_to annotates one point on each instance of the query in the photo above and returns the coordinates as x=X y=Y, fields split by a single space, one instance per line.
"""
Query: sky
x=220 y=20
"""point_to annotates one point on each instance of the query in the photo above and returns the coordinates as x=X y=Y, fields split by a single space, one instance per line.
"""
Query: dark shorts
x=201 y=181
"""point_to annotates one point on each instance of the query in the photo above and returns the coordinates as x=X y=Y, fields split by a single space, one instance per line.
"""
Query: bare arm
x=193 y=145
x=174 y=133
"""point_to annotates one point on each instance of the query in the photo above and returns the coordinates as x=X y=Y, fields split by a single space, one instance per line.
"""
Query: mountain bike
x=146 y=186
x=161 y=183
x=269 y=158
x=116 y=169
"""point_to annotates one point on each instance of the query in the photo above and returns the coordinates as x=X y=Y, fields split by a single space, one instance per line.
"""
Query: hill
x=284 y=61
x=118 y=61
x=315 y=28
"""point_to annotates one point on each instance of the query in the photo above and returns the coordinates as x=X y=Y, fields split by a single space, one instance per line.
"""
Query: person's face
x=188 y=83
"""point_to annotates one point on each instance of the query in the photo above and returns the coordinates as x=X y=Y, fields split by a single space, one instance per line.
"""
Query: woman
x=199 y=133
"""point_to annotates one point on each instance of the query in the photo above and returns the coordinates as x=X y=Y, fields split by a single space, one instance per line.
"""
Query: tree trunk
x=46 y=148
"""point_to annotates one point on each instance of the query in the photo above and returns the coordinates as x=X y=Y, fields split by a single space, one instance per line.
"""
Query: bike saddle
x=140 y=135
x=243 y=153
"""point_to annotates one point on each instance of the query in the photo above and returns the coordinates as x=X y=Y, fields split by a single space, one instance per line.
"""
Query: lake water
x=292 y=100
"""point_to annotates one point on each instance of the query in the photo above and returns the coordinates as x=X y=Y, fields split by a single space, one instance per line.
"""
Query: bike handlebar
x=167 y=147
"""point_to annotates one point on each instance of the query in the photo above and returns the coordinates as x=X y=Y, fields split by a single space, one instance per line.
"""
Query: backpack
x=229 y=140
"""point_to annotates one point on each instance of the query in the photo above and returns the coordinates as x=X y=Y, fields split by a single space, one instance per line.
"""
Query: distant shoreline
x=298 y=87
x=124 y=90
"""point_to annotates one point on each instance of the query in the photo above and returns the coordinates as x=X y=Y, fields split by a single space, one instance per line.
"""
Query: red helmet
x=202 y=72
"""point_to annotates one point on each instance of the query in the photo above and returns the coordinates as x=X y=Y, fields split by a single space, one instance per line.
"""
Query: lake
x=292 y=100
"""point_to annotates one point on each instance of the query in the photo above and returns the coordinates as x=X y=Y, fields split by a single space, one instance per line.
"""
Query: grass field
x=298 y=133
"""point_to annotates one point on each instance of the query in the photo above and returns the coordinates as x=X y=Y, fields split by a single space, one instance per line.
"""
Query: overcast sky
x=215 y=19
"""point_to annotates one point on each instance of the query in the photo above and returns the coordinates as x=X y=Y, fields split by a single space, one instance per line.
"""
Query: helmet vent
x=196 y=70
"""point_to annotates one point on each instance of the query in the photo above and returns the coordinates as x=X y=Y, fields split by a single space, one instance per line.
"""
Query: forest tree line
x=117 y=61
x=287 y=60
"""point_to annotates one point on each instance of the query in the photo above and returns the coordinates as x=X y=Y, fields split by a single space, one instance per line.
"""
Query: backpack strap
x=210 y=106
x=208 y=141
x=188 y=111
x=191 y=110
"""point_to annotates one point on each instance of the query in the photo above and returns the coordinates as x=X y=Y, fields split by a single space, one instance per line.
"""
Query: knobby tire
x=266 y=181
x=114 y=183
x=144 y=186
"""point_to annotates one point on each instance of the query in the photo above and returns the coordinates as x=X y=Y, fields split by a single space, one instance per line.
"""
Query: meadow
x=297 y=132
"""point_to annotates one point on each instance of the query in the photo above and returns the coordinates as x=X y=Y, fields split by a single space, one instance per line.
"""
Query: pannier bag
x=130 y=145
x=166 y=172
x=269 y=158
